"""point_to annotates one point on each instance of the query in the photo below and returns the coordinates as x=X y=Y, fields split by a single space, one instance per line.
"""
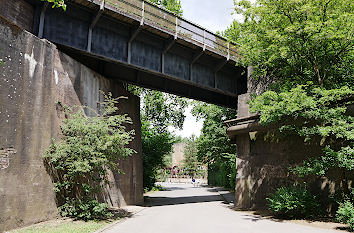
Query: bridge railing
x=152 y=15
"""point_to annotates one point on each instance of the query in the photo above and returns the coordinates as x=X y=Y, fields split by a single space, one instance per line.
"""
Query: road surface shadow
x=173 y=188
x=163 y=201
x=255 y=218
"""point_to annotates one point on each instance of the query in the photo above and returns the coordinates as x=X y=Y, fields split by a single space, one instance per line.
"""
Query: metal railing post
x=228 y=51
x=176 y=33
x=204 y=40
x=93 y=24
x=142 y=13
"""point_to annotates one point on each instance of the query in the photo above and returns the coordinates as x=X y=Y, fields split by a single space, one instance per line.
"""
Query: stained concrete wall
x=34 y=77
x=263 y=165
x=125 y=188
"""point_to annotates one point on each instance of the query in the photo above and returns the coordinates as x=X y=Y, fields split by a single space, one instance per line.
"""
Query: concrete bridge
x=140 y=43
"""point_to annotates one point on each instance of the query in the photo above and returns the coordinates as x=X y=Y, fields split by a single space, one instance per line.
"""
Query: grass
x=64 y=226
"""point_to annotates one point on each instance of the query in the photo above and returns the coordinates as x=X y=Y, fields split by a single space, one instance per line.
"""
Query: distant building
x=178 y=154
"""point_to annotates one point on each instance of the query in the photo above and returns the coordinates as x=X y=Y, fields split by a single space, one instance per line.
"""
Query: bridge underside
x=120 y=47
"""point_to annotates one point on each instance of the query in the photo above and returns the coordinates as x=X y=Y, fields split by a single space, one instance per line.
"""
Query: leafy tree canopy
x=171 y=5
x=213 y=145
x=57 y=3
x=296 y=41
x=191 y=163
x=307 y=48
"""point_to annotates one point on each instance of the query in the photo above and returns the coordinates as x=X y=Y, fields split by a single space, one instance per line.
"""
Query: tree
x=320 y=117
x=78 y=162
x=171 y=5
x=213 y=145
x=191 y=163
x=296 y=41
x=57 y=3
x=162 y=110
x=306 y=48
x=155 y=146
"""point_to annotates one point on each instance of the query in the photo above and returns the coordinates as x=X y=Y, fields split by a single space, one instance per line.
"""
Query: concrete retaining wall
x=263 y=165
x=34 y=77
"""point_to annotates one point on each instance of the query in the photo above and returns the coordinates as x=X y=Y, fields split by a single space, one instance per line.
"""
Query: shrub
x=85 y=209
x=293 y=202
x=79 y=161
x=345 y=213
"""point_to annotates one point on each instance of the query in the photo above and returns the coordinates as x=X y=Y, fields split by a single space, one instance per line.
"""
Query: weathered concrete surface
x=34 y=77
x=189 y=209
x=125 y=188
x=263 y=165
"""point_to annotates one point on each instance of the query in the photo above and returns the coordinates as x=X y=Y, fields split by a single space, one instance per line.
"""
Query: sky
x=214 y=15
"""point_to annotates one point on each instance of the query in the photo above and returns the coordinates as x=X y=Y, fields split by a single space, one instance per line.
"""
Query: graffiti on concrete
x=5 y=155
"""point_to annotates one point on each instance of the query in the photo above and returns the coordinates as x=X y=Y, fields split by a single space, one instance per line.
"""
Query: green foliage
x=306 y=49
x=156 y=145
x=79 y=161
x=223 y=172
x=296 y=41
x=345 y=213
x=293 y=202
x=191 y=164
x=158 y=112
x=163 y=110
x=213 y=145
x=85 y=209
x=318 y=116
x=159 y=109
x=171 y=5
x=57 y=3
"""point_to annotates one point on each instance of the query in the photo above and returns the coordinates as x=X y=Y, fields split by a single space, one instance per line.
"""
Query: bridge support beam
x=93 y=24
x=194 y=59
x=135 y=33
x=132 y=37
x=168 y=46
x=42 y=19
x=218 y=68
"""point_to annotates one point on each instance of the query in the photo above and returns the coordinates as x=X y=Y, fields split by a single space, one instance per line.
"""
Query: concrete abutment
x=263 y=165
x=34 y=77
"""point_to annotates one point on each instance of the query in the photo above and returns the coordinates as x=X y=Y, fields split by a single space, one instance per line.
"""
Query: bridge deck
x=137 y=42
x=169 y=23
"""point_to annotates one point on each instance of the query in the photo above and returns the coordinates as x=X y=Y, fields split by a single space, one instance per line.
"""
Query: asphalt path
x=187 y=209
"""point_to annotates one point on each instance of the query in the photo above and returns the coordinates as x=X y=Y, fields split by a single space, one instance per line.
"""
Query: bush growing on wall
x=79 y=161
